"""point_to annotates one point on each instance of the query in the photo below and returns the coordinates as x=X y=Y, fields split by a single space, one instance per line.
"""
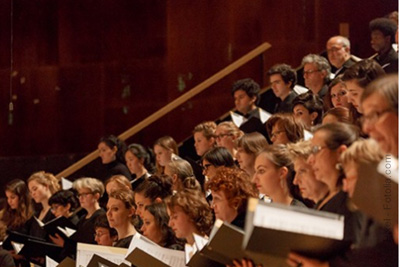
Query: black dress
x=124 y=242
x=115 y=168
x=35 y=229
x=84 y=234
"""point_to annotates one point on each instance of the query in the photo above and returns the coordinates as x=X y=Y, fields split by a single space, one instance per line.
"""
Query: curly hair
x=249 y=86
x=385 y=25
x=14 y=219
x=207 y=128
x=294 y=130
x=231 y=128
x=46 y=179
x=236 y=185
x=193 y=204
x=287 y=73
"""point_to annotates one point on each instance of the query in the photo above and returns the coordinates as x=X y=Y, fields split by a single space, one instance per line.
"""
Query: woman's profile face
x=150 y=228
x=133 y=163
x=38 y=191
x=163 y=156
x=106 y=153
x=323 y=160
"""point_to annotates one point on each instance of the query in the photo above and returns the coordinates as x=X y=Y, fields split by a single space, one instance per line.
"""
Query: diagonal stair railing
x=170 y=106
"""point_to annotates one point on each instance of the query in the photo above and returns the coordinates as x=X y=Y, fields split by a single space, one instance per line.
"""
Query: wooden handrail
x=170 y=106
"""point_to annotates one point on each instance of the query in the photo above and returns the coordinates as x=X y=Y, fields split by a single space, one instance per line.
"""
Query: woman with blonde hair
x=121 y=215
x=180 y=170
x=165 y=149
x=226 y=135
x=89 y=192
x=189 y=213
x=116 y=183
x=204 y=137
x=41 y=186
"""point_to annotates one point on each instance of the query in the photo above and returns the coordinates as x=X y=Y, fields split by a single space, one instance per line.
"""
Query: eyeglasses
x=220 y=136
x=275 y=134
x=205 y=166
x=334 y=49
x=84 y=194
x=310 y=71
x=374 y=116
x=99 y=234
x=316 y=149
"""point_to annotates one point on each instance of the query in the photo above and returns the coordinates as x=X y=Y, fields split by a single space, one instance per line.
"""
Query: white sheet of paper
x=168 y=256
x=298 y=222
x=85 y=253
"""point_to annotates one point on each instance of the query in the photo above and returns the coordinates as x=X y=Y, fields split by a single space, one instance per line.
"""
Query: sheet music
x=168 y=256
x=50 y=262
x=298 y=222
x=85 y=253
x=66 y=184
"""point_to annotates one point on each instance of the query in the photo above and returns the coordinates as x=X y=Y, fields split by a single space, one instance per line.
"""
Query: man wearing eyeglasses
x=380 y=120
x=316 y=72
x=338 y=50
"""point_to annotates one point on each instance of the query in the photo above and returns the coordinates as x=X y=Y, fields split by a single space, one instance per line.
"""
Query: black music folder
x=277 y=229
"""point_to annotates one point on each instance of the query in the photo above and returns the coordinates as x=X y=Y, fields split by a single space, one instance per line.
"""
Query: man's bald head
x=338 y=49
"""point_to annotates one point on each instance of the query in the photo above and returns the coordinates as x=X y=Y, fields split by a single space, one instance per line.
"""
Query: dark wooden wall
x=83 y=69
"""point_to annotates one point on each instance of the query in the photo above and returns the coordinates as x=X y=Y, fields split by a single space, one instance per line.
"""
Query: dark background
x=84 y=69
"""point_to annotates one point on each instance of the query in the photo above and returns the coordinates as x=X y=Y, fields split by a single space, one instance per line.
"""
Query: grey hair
x=321 y=63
